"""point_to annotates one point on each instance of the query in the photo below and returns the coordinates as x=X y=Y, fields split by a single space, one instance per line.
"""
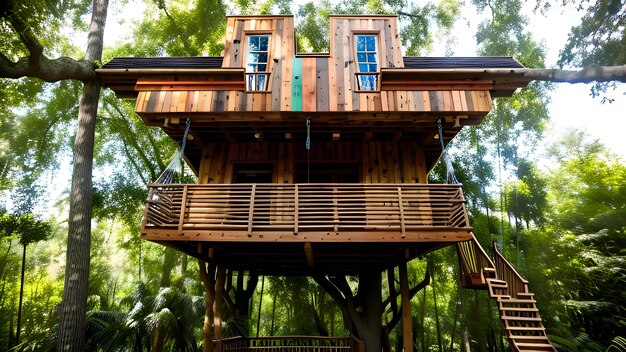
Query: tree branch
x=36 y=64
x=586 y=75
x=412 y=292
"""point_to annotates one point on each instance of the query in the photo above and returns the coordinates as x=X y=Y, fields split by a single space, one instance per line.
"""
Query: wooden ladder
x=517 y=307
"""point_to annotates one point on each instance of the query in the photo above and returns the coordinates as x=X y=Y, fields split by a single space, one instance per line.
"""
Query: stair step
x=515 y=300
x=525 y=328
x=528 y=337
x=534 y=345
x=506 y=317
x=498 y=285
x=518 y=309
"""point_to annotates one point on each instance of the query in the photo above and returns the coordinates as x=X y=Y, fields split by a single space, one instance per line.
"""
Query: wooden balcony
x=298 y=228
x=290 y=344
x=306 y=212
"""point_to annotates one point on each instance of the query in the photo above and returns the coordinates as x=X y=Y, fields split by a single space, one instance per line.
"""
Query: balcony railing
x=257 y=209
x=290 y=344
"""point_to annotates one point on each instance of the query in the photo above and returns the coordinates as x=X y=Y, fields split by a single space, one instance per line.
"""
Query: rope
x=308 y=149
x=450 y=176
x=167 y=176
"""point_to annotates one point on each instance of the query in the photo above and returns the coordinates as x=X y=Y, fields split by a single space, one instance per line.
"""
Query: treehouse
x=316 y=163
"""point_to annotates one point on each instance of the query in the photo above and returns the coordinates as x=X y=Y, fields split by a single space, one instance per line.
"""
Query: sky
x=571 y=105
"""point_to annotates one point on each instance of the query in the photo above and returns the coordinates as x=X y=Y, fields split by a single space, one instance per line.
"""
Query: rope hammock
x=167 y=176
x=450 y=176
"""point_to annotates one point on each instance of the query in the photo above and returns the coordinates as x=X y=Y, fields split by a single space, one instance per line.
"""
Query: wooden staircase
x=516 y=305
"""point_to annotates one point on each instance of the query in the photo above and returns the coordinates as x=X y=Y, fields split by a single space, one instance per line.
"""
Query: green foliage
x=24 y=227
x=589 y=182
x=177 y=28
x=599 y=39
x=418 y=23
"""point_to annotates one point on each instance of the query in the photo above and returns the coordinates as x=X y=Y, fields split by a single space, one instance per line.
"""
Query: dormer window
x=367 y=62
x=257 y=75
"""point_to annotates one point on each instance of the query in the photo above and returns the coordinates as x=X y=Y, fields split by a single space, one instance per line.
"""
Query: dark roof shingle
x=478 y=62
x=192 y=62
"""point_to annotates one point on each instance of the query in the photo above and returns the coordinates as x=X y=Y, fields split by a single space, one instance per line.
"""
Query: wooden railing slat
x=332 y=207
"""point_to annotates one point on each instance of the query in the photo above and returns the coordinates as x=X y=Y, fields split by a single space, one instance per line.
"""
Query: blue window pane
x=371 y=57
x=371 y=43
x=250 y=68
x=254 y=43
x=260 y=82
x=250 y=82
x=360 y=43
x=363 y=68
x=262 y=57
x=361 y=57
x=262 y=68
x=263 y=43
x=253 y=58
x=368 y=82
x=373 y=68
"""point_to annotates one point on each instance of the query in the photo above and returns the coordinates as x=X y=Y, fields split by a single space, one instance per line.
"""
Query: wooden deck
x=297 y=229
x=306 y=212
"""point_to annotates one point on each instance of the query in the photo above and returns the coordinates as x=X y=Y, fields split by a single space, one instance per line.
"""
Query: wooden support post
x=308 y=251
x=217 y=305
x=407 y=327
x=183 y=206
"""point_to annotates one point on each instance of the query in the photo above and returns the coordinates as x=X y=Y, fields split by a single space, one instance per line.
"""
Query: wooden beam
x=308 y=251
x=407 y=326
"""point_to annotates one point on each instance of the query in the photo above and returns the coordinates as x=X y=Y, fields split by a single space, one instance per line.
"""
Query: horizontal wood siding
x=379 y=162
x=168 y=101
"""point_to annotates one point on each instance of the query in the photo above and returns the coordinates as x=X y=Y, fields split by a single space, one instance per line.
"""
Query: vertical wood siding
x=379 y=162
x=309 y=84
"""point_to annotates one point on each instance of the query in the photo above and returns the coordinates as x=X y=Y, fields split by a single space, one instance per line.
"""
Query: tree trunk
x=258 y=320
x=368 y=317
x=207 y=274
x=159 y=339
x=71 y=334
x=19 y=307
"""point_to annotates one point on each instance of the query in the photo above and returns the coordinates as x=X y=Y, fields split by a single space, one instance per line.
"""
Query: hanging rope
x=308 y=149
x=167 y=176
x=450 y=176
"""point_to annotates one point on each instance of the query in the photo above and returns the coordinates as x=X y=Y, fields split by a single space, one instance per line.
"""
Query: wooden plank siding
x=378 y=161
x=322 y=83
x=313 y=96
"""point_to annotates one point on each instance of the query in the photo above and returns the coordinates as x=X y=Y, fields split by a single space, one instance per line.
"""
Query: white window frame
x=368 y=79
x=257 y=80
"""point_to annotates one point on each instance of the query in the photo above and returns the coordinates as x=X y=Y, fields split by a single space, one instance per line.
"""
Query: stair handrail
x=477 y=261
x=505 y=271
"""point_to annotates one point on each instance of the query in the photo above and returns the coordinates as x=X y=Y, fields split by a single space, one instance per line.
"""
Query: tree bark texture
x=71 y=335
x=36 y=64
x=207 y=274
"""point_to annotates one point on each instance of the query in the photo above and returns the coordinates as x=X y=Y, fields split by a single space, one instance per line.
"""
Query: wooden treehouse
x=317 y=163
